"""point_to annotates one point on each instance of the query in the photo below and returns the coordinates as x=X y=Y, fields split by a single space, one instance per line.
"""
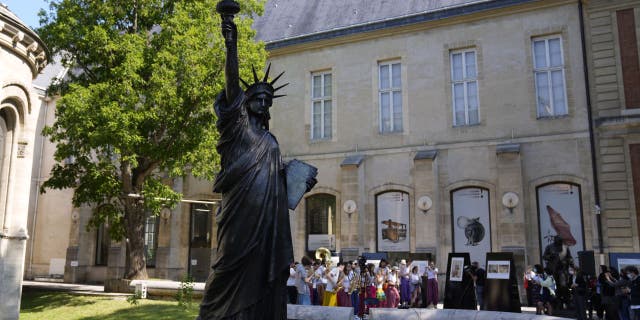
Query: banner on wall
x=393 y=221
x=560 y=216
x=471 y=223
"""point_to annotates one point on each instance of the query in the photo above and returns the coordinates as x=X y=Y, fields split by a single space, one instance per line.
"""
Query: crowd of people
x=362 y=286
x=610 y=295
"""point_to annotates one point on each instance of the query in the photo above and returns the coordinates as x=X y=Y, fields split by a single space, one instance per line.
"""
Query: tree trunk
x=135 y=224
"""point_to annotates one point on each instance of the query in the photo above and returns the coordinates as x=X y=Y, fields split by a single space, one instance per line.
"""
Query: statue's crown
x=263 y=86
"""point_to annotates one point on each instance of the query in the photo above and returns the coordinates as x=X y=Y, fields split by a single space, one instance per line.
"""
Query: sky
x=27 y=10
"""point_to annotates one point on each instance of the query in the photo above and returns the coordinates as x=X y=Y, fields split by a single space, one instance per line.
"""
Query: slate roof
x=304 y=20
x=53 y=70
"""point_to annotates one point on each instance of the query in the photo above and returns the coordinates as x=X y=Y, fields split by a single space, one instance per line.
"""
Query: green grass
x=53 y=305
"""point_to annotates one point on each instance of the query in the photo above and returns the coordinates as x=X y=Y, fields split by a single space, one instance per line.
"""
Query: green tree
x=136 y=110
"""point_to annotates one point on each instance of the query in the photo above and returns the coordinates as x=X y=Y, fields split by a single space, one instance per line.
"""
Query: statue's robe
x=254 y=236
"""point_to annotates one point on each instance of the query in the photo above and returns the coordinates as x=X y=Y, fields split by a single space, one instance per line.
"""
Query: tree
x=137 y=108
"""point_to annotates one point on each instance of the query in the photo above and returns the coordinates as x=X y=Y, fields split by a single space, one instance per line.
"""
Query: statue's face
x=260 y=103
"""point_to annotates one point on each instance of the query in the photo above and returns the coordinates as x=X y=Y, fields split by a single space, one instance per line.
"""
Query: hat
x=403 y=261
x=395 y=268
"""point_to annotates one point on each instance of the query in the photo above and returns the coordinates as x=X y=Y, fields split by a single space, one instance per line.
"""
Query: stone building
x=437 y=127
x=612 y=41
x=22 y=56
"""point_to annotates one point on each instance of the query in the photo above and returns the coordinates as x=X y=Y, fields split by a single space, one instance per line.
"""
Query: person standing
x=634 y=292
x=321 y=281
x=578 y=286
x=333 y=278
x=302 y=281
x=356 y=284
x=479 y=275
x=414 y=281
x=431 y=272
x=405 y=284
x=393 y=297
x=343 y=294
x=292 y=292
x=609 y=303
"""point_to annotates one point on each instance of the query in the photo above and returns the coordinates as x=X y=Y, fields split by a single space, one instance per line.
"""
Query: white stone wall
x=19 y=109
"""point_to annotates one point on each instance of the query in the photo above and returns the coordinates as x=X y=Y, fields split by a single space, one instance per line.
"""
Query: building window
x=390 y=96
x=321 y=106
x=151 y=239
x=464 y=87
x=548 y=68
x=102 y=246
x=628 y=43
x=321 y=221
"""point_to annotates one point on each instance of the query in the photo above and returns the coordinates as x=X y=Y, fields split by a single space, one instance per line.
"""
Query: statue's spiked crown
x=263 y=86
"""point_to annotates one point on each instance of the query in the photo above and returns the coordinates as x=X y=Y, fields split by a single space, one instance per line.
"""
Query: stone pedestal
x=12 y=252
x=299 y=312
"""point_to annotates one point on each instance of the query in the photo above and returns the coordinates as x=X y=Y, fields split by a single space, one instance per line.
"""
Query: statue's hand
x=229 y=30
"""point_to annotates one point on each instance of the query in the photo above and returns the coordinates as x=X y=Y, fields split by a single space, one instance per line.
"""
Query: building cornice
x=408 y=23
x=483 y=142
x=23 y=42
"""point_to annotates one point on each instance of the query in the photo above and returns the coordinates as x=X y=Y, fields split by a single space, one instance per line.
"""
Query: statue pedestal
x=295 y=311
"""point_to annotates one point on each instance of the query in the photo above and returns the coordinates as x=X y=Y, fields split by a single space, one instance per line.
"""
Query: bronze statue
x=254 y=237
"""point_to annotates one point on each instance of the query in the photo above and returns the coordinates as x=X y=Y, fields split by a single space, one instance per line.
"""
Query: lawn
x=52 y=305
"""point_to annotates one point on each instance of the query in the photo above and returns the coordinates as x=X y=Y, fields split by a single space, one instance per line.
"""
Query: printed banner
x=561 y=231
x=471 y=223
x=393 y=222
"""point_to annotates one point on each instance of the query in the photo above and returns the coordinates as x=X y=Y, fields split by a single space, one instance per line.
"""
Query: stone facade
x=22 y=57
x=612 y=42
x=510 y=149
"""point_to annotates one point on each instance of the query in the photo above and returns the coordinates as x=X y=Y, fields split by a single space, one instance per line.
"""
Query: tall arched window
x=392 y=210
x=7 y=128
x=321 y=221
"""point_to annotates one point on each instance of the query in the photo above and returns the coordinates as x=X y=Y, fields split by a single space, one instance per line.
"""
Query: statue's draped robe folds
x=254 y=235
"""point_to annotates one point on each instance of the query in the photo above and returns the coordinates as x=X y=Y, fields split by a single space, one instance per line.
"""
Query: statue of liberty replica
x=254 y=236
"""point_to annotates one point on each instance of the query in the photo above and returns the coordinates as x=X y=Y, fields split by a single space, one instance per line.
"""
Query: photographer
x=543 y=290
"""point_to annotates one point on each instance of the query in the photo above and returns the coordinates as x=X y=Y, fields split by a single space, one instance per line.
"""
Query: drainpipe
x=592 y=142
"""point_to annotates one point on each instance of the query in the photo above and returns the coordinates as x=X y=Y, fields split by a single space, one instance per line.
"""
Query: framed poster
x=560 y=221
x=456 y=269
x=471 y=223
x=498 y=269
x=393 y=221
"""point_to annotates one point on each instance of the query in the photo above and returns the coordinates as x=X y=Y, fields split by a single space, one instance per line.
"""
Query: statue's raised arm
x=230 y=33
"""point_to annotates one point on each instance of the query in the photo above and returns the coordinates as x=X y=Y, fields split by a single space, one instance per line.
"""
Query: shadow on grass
x=149 y=312
x=40 y=301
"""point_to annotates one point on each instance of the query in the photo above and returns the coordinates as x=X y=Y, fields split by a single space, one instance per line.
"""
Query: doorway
x=200 y=241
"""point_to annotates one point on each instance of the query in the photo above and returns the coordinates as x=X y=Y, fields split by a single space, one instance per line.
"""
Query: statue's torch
x=227 y=10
